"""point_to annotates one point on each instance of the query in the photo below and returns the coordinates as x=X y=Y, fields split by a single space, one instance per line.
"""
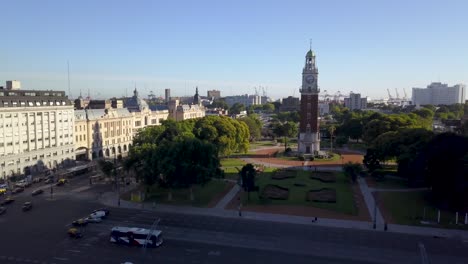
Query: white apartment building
x=438 y=93
x=36 y=131
x=355 y=102
x=246 y=100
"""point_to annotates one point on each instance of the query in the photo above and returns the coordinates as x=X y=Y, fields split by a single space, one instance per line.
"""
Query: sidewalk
x=110 y=199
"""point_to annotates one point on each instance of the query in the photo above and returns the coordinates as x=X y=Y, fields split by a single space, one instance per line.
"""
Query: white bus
x=135 y=236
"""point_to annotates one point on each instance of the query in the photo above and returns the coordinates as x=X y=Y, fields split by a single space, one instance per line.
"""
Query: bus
x=135 y=236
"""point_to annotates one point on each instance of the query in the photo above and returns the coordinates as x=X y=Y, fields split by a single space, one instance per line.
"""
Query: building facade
x=167 y=95
x=13 y=85
x=290 y=104
x=309 y=133
x=213 y=94
x=103 y=133
x=355 y=102
x=246 y=100
x=438 y=93
x=107 y=131
x=180 y=112
x=36 y=131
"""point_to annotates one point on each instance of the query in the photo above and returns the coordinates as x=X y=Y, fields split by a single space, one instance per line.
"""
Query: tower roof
x=310 y=53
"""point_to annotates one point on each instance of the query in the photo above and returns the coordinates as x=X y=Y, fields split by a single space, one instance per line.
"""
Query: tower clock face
x=310 y=79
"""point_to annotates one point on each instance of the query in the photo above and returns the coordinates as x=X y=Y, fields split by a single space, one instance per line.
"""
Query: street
x=39 y=236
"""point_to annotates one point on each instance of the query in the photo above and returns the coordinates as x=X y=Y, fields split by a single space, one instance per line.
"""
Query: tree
x=248 y=174
x=106 y=167
x=219 y=103
x=255 y=126
x=352 y=170
x=331 y=130
x=227 y=134
x=269 y=107
x=447 y=170
x=236 y=108
x=285 y=130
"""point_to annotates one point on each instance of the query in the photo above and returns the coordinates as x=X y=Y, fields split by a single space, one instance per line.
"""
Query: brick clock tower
x=309 y=135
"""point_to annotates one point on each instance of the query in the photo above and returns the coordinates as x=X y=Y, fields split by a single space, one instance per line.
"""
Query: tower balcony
x=309 y=91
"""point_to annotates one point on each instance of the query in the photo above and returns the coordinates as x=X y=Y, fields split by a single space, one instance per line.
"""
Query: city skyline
x=362 y=47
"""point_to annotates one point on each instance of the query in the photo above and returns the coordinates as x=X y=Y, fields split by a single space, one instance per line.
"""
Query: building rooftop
x=32 y=98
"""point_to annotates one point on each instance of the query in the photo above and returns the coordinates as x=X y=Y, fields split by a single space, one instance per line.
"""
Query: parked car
x=27 y=206
x=2 y=210
x=7 y=200
x=74 y=233
x=49 y=180
x=3 y=191
x=38 y=179
x=61 y=182
x=20 y=185
x=17 y=190
x=104 y=210
x=37 y=192
x=93 y=219
x=79 y=222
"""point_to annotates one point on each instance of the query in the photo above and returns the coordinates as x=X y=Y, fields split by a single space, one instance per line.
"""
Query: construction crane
x=256 y=90
x=397 y=94
x=264 y=92
x=406 y=96
x=390 y=97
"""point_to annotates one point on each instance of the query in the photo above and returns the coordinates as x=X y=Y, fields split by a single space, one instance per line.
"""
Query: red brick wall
x=313 y=110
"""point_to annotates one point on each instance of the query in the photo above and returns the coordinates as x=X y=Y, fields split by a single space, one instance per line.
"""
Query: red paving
x=347 y=157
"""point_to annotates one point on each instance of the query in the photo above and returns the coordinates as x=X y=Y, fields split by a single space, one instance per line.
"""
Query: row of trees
x=179 y=154
x=438 y=161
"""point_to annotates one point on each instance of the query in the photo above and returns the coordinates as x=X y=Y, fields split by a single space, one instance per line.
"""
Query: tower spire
x=310 y=43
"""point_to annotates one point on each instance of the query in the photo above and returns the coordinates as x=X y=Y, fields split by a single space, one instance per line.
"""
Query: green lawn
x=391 y=183
x=229 y=165
x=407 y=208
x=297 y=195
x=203 y=195
x=257 y=144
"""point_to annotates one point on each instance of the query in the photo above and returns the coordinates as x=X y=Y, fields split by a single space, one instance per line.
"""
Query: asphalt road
x=39 y=236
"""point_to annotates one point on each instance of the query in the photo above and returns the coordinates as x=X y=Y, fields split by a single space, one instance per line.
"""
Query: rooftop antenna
x=310 y=42
x=68 y=69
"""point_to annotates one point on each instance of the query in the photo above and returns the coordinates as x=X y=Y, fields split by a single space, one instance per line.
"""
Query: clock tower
x=309 y=135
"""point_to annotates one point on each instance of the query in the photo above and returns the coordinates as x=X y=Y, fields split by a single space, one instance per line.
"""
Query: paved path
x=110 y=199
x=374 y=211
x=228 y=197
x=398 y=189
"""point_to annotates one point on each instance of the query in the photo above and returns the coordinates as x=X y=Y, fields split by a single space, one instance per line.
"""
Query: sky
x=361 y=46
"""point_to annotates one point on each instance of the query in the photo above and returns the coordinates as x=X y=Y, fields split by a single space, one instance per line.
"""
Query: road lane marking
x=62 y=259
x=422 y=249
x=73 y=250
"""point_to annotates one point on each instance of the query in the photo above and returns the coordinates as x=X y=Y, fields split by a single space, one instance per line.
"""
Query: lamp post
x=116 y=180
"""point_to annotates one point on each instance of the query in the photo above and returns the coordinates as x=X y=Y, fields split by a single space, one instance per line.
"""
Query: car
x=99 y=214
x=20 y=185
x=49 y=180
x=2 y=210
x=38 y=179
x=7 y=200
x=74 y=233
x=17 y=190
x=4 y=186
x=79 y=222
x=93 y=219
x=3 y=191
x=27 y=206
x=27 y=184
x=37 y=192
x=61 y=182
x=105 y=210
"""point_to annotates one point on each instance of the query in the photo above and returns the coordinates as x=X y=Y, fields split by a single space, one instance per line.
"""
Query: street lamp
x=115 y=175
